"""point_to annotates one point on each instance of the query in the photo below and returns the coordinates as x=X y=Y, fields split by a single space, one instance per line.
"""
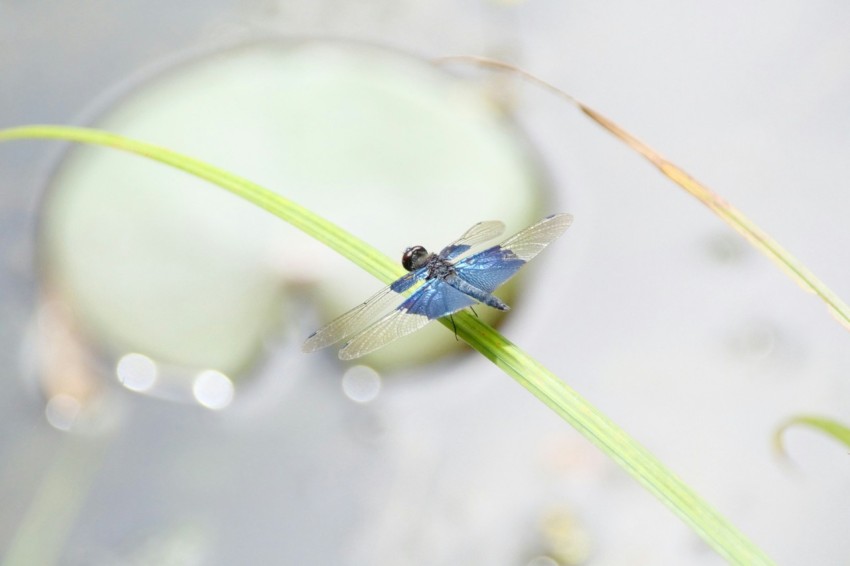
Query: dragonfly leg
x=451 y=318
x=473 y=312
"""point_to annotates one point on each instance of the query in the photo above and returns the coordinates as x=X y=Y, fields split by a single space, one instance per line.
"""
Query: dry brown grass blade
x=732 y=216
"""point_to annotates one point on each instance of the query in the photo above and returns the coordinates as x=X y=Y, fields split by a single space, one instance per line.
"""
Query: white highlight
x=136 y=372
x=361 y=384
x=213 y=389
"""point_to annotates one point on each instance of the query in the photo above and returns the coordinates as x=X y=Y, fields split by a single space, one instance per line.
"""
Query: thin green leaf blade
x=831 y=428
x=612 y=440
x=628 y=453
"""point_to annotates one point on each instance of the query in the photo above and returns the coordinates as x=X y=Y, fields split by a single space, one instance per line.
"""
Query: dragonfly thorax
x=439 y=267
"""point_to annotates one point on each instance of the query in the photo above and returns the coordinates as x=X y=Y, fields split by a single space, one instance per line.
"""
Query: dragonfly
x=438 y=285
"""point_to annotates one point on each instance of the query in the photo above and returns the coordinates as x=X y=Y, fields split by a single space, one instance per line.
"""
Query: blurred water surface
x=649 y=307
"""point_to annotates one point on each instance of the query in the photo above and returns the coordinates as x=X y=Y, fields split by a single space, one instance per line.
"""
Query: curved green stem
x=567 y=403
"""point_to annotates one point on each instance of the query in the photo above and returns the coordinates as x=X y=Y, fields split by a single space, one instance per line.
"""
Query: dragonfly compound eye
x=414 y=257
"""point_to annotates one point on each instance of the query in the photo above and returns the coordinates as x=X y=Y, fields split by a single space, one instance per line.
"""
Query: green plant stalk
x=829 y=427
x=719 y=533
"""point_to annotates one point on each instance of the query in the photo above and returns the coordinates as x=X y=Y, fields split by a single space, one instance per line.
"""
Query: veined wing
x=363 y=314
x=481 y=232
x=434 y=299
x=492 y=267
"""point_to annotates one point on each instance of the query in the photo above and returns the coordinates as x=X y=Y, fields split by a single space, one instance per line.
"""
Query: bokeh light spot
x=61 y=411
x=361 y=384
x=136 y=372
x=213 y=389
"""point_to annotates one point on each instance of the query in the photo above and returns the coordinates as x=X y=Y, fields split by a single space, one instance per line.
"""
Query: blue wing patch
x=490 y=268
x=435 y=299
x=404 y=283
x=451 y=252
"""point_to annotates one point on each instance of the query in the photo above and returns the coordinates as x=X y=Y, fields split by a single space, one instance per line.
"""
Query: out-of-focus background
x=156 y=408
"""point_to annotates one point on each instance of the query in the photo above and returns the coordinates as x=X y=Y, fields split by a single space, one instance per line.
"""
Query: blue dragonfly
x=441 y=285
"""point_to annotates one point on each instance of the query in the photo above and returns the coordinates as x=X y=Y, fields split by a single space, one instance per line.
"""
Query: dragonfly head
x=414 y=257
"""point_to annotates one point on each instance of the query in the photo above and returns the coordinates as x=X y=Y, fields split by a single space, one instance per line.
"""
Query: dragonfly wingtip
x=310 y=344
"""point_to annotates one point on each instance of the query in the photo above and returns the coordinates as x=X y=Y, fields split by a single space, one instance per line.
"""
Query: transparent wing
x=481 y=232
x=434 y=299
x=363 y=314
x=492 y=267
x=529 y=242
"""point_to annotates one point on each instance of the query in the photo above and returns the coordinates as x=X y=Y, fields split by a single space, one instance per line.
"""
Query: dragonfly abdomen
x=478 y=294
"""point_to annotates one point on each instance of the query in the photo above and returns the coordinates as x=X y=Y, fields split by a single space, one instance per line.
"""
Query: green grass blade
x=612 y=440
x=829 y=427
x=329 y=234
